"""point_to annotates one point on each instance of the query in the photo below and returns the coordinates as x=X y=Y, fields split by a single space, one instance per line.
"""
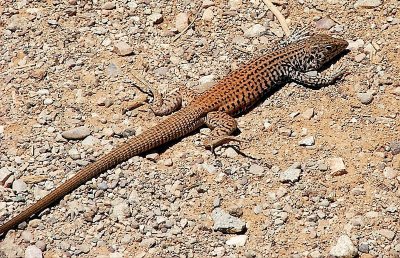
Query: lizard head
x=320 y=49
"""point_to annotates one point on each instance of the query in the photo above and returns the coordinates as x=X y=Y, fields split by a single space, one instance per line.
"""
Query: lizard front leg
x=317 y=81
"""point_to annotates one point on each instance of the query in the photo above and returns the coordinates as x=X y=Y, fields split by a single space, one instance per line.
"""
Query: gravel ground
x=321 y=176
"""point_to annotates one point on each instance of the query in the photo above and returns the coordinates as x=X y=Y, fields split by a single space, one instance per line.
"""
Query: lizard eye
x=328 y=47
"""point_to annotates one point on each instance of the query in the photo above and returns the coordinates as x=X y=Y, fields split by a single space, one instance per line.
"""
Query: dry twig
x=279 y=16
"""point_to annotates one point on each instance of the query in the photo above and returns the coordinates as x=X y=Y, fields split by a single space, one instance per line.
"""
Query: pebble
x=206 y=79
x=255 y=31
x=208 y=15
x=74 y=154
x=27 y=236
x=99 y=30
x=181 y=21
x=355 y=45
x=337 y=166
x=325 y=23
x=230 y=153
x=395 y=147
x=308 y=114
x=19 y=186
x=291 y=175
x=308 y=141
x=120 y=211
x=123 y=49
x=156 y=18
x=77 y=133
x=285 y=132
x=256 y=170
x=4 y=175
x=390 y=173
x=367 y=3
x=365 y=98
x=41 y=245
x=363 y=247
x=237 y=241
x=209 y=168
x=90 y=141
x=358 y=58
x=227 y=223
x=33 y=252
x=207 y=3
x=48 y=101
x=109 y=6
x=389 y=234
x=235 y=4
x=344 y=248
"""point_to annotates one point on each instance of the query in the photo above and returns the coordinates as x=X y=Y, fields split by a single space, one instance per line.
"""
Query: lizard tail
x=174 y=127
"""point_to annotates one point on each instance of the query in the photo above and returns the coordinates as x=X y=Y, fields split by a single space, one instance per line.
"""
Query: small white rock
x=181 y=21
x=33 y=252
x=123 y=49
x=239 y=240
x=255 y=31
x=337 y=166
x=367 y=3
x=308 y=141
x=344 y=248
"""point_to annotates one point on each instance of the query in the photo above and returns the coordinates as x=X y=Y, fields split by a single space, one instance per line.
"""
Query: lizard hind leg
x=222 y=126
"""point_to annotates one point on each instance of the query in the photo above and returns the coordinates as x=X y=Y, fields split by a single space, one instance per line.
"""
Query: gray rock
x=90 y=141
x=227 y=223
x=255 y=31
x=19 y=186
x=120 y=211
x=291 y=175
x=113 y=71
x=237 y=240
x=123 y=48
x=363 y=247
x=365 y=98
x=33 y=252
x=367 y=3
x=344 y=248
x=308 y=141
x=395 y=147
x=74 y=154
x=77 y=133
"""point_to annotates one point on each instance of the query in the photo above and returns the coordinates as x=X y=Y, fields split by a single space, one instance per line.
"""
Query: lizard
x=216 y=108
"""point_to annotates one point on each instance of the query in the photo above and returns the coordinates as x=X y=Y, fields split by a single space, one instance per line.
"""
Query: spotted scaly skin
x=233 y=95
